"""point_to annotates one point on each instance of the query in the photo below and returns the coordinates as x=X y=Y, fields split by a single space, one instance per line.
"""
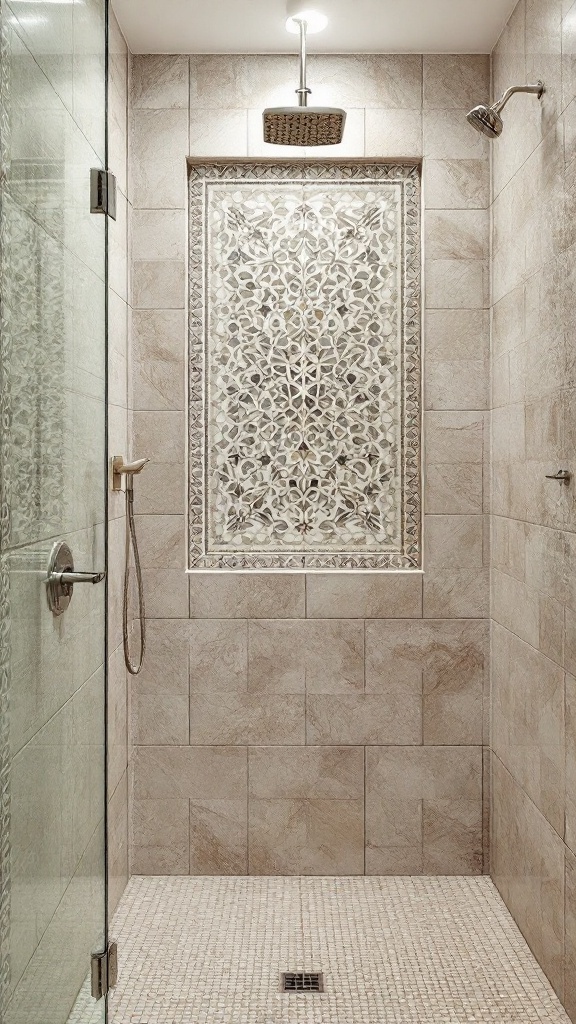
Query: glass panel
x=53 y=465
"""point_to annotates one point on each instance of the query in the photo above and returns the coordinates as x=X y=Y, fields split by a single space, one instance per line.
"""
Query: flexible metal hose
x=132 y=543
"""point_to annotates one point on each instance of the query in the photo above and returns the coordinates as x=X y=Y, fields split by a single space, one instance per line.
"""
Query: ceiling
x=356 y=26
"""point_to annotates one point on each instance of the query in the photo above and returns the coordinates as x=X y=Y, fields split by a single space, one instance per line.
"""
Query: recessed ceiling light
x=298 y=11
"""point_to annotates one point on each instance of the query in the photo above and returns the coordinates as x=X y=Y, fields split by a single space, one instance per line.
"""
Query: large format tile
x=218 y=837
x=570 y=937
x=160 y=839
x=246 y=718
x=528 y=868
x=528 y=721
x=246 y=596
x=424 y=810
x=319 y=656
x=297 y=773
x=441 y=660
x=306 y=837
x=355 y=596
x=195 y=773
x=393 y=715
x=159 y=81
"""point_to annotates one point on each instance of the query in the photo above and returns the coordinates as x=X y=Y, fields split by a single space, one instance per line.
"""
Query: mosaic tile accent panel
x=304 y=366
x=393 y=951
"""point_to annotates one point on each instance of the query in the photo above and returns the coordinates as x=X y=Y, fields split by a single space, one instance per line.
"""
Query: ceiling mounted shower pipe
x=313 y=14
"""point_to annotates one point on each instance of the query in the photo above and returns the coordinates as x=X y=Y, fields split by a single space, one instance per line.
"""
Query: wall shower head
x=303 y=125
x=487 y=119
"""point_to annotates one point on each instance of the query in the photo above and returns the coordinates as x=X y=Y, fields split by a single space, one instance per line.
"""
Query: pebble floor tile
x=436 y=950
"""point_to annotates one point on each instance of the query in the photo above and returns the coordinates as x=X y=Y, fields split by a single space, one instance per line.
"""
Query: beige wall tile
x=166 y=593
x=455 y=184
x=298 y=773
x=456 y=234
x=324 y=656
x=159 y=81
x=158 y=284
x=448 y=136
x=218 y=837
x=393 y=133
x=451 y=384
x=453 y=542
x=160 y=838
x=158 y=234
x=457 y=81
x=158 y=346
x=158 y=158
x=165 y=667
x=457 y=334
x=246 y=718
x=162 y=539
x=443 y=661
x=570 y=833
x=160 y=491
x=117 y=839
x=367 y=80
x=159 y=436
x=409 y=791
x=159 y=718
x=449 y=593
x=215 y=133
x=386 y=595
x=258 y=596
x=393 y=715
x=117 y=719
x=306 y=837
x=195 y=773
x=218 y=655
x=528 y=868
x=457 y=284
x=570 y=918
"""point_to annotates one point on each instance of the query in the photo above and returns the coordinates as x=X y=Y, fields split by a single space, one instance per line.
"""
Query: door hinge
x=103 y=192
x=104 y=970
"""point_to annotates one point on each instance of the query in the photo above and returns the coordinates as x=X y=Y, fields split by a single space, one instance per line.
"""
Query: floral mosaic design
x=304 y=366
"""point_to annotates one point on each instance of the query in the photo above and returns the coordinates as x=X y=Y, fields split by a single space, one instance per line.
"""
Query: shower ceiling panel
x=305 y=367
x=365 y=26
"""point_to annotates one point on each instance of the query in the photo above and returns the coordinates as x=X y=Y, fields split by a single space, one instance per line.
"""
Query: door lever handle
x=71 y=577
x=564 y=475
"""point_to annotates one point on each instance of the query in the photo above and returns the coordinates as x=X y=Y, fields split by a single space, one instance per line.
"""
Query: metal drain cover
x=302 y=981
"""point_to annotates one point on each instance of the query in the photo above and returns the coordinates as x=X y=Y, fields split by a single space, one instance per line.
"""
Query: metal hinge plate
x=104 y=970
x=102 y=192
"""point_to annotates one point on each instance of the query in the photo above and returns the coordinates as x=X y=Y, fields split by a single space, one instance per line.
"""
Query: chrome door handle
x=61 y=577
x=69 y=578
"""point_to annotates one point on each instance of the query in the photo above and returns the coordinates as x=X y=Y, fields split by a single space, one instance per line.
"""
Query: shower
x=130 y=470
x=486 y=119
x=303 y=125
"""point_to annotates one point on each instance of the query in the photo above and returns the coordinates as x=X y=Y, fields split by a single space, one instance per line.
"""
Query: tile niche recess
x=304 y=388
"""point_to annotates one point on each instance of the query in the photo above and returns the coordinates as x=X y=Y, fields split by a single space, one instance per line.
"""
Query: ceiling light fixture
x=315 y=17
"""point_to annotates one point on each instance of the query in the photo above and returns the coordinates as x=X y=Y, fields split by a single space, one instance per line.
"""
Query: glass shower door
x=53 y=490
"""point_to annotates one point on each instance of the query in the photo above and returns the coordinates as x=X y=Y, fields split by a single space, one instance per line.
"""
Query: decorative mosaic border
x=408 y=177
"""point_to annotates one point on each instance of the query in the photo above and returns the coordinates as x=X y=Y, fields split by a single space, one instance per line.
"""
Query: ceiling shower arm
x=303 y=92
x=536 y=89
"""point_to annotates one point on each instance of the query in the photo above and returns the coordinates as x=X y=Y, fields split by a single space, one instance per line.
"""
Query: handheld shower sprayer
x=486 y=119
x=129 y=470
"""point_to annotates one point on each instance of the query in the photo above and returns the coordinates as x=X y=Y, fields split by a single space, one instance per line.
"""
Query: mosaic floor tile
x=440 y=950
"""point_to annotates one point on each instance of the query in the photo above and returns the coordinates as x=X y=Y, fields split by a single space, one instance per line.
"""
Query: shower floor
x=393 y=951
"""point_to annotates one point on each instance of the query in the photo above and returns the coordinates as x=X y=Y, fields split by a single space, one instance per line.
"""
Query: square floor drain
x=302 y=981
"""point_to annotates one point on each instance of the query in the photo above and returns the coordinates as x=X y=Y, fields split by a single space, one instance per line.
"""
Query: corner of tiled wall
x=119 y=326
x=270 y=701
x=533 y=596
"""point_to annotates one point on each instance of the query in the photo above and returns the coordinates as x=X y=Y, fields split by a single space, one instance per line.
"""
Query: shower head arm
x=536 y=89
x=303 y=92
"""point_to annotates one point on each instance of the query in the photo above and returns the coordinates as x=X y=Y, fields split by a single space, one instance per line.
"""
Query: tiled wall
x=323 y=723
x=119 y=444
x=534 y=519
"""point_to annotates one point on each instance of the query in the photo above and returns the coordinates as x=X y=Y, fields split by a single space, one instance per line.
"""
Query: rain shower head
x=487 y=119
x=303 y=125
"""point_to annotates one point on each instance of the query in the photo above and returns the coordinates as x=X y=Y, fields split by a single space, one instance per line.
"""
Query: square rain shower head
x=304 y=126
